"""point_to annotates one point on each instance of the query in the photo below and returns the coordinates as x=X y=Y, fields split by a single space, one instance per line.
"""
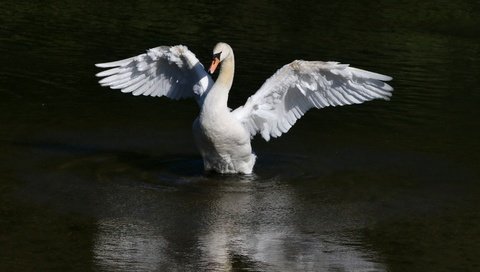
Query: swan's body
x=223 y=136
x=222 y=139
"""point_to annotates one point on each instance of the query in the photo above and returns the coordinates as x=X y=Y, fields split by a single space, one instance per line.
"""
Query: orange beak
x=214 y=65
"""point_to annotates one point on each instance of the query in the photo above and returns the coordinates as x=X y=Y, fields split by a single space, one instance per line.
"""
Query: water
x=92 y=179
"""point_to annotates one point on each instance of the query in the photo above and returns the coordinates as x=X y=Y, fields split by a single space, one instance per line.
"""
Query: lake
x=93 y=179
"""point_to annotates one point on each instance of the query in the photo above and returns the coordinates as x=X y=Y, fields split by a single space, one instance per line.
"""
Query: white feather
x=174 y=72
x=303 y=85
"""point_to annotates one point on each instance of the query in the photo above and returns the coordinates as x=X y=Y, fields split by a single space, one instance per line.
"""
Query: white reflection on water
x=276 y=250
x=275 y=244
x=123 y=245
x=243 y=227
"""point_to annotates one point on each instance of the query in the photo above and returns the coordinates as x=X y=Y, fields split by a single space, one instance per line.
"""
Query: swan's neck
x=217 y=98
x=227 y=70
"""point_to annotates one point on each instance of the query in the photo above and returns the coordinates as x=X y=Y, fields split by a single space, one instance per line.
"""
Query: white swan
x=223 y=136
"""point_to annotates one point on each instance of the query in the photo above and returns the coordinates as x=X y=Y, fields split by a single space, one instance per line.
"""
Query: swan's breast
x=222 y=131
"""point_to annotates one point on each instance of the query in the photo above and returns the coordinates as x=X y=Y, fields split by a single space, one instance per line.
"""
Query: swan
x=223 y=136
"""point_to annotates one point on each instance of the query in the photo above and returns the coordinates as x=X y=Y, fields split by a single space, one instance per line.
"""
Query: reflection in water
x=123 y=245
x=242 y=225
x=274 y=241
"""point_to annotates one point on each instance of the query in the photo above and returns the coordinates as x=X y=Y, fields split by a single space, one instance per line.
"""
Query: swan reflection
x=238 y=226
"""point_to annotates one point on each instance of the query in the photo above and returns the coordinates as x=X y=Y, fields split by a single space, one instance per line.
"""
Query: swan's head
x=220 y=52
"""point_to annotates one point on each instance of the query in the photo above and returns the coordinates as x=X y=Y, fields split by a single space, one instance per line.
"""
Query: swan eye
x=217 y=55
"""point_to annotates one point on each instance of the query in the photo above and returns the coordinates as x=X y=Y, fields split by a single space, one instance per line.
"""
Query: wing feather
x=301 y=85
x=173 y=72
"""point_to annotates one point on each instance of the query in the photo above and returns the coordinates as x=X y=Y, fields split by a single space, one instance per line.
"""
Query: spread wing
x=173 y=72
x=301 y=85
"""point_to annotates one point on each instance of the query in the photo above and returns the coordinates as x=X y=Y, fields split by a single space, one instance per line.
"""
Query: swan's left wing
x=173 y=72
x=301 y=85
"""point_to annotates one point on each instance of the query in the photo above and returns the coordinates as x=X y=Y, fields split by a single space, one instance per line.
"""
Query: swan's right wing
x=173 y=72
x=301 y=85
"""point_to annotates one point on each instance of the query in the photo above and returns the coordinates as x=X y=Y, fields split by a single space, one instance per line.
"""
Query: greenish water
x=92 y=179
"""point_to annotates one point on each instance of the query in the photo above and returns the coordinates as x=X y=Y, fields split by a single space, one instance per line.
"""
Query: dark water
x=92 y=179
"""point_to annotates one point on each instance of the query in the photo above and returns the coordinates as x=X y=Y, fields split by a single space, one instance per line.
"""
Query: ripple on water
x=177 y=170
